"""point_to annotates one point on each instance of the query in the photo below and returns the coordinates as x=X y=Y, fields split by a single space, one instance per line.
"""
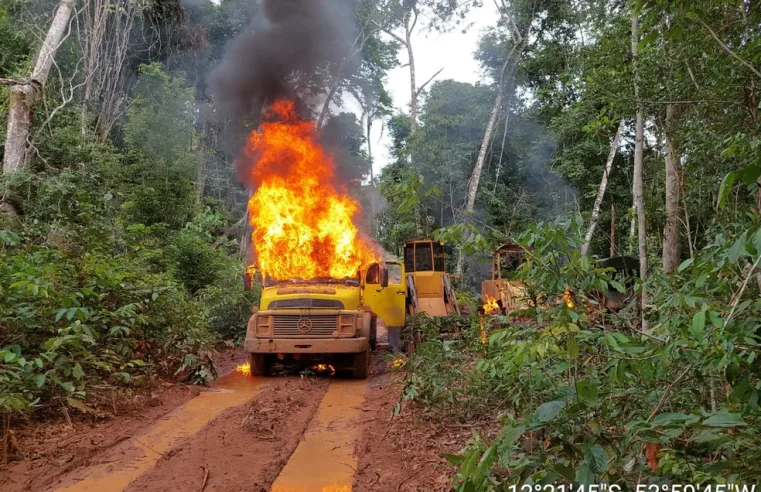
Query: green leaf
x=756 y=240
x=738 y=249
x=588 y=393
x=548 y=411
x=618 y=286
x=453 y=459
x=584 y=475
x=573 y=347
x=750 y=174
x=596 y=457
x=487 y=460
x=68 y=386
x=739 y=390
x=39 y=380
x=724 y=419
x=697 y=329
x=565 y=470
x=685 y=264
x=725 y=188
x=666 y=419
x=77 y=372
x=585 y=264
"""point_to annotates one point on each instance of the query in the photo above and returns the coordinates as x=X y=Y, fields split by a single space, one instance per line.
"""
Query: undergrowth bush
x=584 y=396
x=88 y=296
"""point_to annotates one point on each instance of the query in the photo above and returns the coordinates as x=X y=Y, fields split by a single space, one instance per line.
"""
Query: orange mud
x=276 y=434
x=143 y=451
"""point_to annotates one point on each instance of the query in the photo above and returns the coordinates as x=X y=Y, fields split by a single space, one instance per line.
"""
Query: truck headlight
x=263 y=326
x=347 y=324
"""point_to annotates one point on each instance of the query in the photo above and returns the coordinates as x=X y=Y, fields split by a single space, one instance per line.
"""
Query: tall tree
x=439 y=15
x=639 y=142
x=601 y=192
x=519 y=38
x=671 y=229
x=24 y=93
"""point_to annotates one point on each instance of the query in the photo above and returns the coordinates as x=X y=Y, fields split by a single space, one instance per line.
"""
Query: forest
x=599 y=128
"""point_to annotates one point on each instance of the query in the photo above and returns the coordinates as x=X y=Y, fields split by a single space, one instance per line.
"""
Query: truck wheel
x=369 y=329
x=361 y=365
x=374 y=333
x=259 y=364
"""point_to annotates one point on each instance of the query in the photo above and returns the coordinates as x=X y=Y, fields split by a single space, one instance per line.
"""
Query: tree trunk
x=370 y=147
x=639 y=198
x=475 y=177
x=671 y=229
x=23 y=96
x=612 y=228
x=603 y=184
x=413 y=82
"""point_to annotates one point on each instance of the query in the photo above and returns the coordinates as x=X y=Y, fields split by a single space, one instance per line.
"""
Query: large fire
x=302 y=219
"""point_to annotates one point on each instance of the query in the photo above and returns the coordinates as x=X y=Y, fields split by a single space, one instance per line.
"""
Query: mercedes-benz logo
x=304 y=325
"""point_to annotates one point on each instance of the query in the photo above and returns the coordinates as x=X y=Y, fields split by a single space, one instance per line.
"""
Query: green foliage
x=112 y=272
x=591 y=391
x=196 y=263
x=160 y=123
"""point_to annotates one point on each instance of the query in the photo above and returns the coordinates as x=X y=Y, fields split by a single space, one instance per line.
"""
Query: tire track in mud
x=279 y=434
x=238 y=434
x=324 y=460
x=244 y=448
x=122 y=464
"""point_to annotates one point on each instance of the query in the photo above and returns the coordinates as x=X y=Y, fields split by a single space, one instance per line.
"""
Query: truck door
x=387 y=302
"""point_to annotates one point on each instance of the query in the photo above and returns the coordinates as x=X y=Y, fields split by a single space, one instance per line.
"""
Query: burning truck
x=324 y=285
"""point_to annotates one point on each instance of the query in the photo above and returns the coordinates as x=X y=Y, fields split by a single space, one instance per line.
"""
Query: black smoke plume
x=288 y=44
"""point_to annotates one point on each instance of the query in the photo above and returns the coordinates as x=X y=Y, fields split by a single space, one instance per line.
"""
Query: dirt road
x=279 y=434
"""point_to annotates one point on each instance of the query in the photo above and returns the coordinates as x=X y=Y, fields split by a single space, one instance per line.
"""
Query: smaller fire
x=490 y=306
x=321 y=368
x=398 y=362
x=244 y=369
x=567 y=298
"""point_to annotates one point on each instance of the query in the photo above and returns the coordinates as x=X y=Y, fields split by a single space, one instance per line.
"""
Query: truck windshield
x=352 y=281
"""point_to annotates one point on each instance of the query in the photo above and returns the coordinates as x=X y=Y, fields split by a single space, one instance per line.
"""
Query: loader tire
x=259 y=364
x=361 y=366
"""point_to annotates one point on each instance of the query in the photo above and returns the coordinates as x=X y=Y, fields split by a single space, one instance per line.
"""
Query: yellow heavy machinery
x=503 y=292
x=325 y=319
x=429 y=289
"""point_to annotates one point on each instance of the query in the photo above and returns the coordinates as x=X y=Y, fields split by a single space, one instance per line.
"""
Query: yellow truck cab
x=325 y=319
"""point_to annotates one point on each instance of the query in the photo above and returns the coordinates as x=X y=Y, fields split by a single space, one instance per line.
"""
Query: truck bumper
x=306 y=345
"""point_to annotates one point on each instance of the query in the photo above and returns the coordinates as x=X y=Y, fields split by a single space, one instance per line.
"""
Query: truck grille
x=305 y=303
x=311 y=325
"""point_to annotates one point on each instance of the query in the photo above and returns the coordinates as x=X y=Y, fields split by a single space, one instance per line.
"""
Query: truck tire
x=374 y=333
x=361 y=366
x=369 y=329
x=259 y=364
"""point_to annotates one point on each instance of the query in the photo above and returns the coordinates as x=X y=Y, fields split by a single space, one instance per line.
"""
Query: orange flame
x=567 y=298
x=244 y=369
x=490 y=306
x=323 y=368
x=302 y=220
